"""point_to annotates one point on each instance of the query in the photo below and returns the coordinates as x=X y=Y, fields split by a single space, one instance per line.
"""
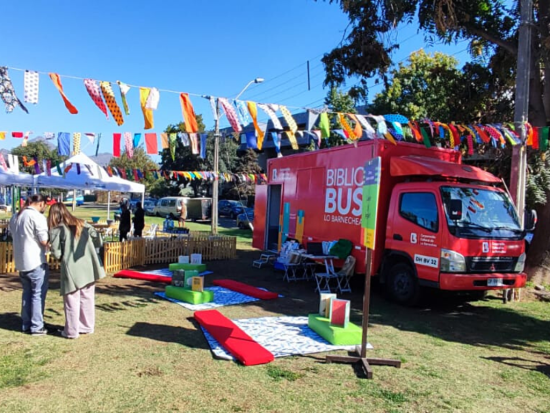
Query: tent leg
x=108 y=204
x=74 y=199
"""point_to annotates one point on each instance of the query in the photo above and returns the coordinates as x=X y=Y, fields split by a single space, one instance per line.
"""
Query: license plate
x=494 y=282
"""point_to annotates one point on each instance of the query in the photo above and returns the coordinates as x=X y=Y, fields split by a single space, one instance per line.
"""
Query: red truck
x=441 y=224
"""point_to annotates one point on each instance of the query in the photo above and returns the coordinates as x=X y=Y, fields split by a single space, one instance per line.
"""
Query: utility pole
x=518 y=176
x=215 y=187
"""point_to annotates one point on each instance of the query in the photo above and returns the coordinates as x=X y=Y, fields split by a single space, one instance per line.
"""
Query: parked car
x=169 y=207
x=245 y=219
x=69 y=200
x=230 y=208
x=149 y=207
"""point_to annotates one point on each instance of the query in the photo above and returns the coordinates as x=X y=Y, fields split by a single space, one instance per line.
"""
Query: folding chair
x=345 y=274
x=323 y=279
x=265 y=258
x=152 y=232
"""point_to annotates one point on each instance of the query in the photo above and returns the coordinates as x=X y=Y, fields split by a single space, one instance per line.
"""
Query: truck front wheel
x=403 y=286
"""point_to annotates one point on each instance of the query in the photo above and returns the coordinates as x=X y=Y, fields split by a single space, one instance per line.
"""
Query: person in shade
x=125 y=222
x=183 y=215
x=29 y=231
x=139 y=220
x=75 y=243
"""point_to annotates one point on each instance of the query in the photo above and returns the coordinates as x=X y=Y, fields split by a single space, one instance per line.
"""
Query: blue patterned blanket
x=282 y=336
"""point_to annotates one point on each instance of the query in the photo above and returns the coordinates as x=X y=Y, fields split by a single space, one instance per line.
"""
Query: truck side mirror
x=455 y=209
x=530 y=220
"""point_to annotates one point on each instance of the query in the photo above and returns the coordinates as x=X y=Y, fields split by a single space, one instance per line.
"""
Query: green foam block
x=189 y=296
x=338 y=336
x=196 y=267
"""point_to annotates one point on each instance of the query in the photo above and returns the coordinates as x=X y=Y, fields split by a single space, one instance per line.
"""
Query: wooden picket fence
x=7 y=262
x=123 y=255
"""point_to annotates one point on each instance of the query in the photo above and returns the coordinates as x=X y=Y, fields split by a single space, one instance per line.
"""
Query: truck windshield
x=485 y=213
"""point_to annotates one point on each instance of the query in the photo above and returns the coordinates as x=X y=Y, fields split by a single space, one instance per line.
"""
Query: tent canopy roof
x=86 y=174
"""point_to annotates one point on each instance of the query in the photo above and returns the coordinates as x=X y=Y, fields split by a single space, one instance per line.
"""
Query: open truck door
x=260 y=208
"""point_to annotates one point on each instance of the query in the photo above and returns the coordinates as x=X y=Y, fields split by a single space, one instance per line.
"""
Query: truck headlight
x=520 y=265
x=452 y=261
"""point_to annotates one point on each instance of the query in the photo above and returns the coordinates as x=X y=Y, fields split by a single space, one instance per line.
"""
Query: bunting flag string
x=292 y=125
x=76 y=143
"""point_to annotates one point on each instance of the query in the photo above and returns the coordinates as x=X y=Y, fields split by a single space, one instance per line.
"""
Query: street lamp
x=215 y=196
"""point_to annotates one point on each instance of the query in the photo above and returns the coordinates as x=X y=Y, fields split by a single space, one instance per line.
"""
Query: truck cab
x=451 y=236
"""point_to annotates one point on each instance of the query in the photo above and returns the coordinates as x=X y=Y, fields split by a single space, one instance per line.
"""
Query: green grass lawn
x=148 y=355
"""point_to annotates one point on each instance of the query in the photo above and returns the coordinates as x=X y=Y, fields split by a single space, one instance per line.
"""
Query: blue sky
x=202 y=47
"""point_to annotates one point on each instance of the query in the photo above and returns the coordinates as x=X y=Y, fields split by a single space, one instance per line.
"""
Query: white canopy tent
x=91 y=176
x=9 y=178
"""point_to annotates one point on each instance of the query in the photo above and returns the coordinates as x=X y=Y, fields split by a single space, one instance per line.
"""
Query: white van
x=169 y=207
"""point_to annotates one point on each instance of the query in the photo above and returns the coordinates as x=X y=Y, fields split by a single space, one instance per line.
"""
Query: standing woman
x=74 y=242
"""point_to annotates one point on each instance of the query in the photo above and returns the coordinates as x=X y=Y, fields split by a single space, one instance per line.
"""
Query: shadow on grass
x=192 y=338
x=533 y=365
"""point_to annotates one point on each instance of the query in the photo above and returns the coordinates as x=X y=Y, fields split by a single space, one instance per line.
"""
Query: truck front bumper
x=465 y=282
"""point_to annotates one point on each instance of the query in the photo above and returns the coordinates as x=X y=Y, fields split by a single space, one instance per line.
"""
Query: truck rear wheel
x=403 y=285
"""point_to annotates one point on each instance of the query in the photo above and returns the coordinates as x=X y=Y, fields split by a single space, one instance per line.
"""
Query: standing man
x=125 y=224
x=139 y=220
x=29 y=231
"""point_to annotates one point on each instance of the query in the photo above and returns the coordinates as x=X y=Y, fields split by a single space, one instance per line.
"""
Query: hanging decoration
x=30 y=86
x=137 y=140
x=292 y=125
x=204 y=136
x=189 y=117
x=184 y=137
x=7 y=92
x=76 y=143
x=147 y=113
x=116 y=144
x=271 y=110
x=173 y=142
x=64 y=143
x=57 y=83
x=214 y=106
x=129 y=144
x=324 y=125
x=194 y=143
x=253 y=110
x=231 y=114
x=109 y=96
x=151 y=143
x=164 y=141
x=98 y=141
x=124 y=88
x=349 y=131
x=241 y=111
x=93 y=90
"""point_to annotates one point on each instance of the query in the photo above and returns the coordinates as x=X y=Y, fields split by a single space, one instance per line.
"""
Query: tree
x=185 y=160
x=431 y=86
x=140 y=160
x=490 y=26
x=37 y=149
x=245 y=164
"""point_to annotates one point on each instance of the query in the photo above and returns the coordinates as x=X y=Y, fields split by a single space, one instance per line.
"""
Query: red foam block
x=246 y=289
x=232 y=338
x=142 y=276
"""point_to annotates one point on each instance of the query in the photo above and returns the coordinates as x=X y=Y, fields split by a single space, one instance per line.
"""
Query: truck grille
x=491 y=264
